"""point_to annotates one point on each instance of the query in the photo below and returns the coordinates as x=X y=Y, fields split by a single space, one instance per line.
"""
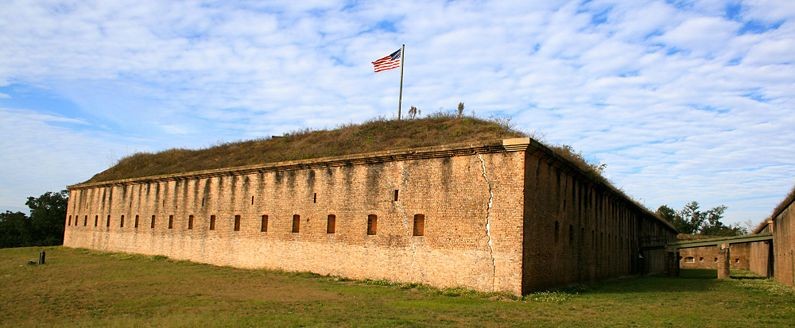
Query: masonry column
x=724 y=262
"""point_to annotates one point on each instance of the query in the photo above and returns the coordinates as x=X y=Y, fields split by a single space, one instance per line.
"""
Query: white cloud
x=39 y=156
x=678 y=103
x=703 y=35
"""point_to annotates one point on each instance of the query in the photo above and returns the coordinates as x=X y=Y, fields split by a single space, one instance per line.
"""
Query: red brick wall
x=577 y=231
x=759 y=257
x=706 y=257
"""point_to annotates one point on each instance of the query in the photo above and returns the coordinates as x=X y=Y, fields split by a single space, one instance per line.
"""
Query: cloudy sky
x=683 y=100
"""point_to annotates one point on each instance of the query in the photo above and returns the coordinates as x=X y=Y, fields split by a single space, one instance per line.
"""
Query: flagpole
x=402 y=59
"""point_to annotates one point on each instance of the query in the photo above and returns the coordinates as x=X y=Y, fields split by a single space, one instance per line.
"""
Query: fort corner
x=505 y=215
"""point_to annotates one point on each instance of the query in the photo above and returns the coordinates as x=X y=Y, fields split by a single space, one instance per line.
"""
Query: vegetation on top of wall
x=784 y=203
x=374 y=135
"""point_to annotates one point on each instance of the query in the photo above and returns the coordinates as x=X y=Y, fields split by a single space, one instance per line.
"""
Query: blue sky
x=683 y=100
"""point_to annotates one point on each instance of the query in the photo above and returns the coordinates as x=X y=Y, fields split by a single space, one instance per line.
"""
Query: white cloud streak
x=680 y=100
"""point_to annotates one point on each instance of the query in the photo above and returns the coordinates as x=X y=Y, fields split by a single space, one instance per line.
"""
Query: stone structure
x=760 y=255
x=782 y=226
x=707 y=257
x=507 y=216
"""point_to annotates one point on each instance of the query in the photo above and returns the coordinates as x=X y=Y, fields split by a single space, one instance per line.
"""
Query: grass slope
x=371 y=136
x=86 y=288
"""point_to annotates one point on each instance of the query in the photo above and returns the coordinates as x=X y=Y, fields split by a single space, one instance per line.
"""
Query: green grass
x=375 y=135
x=87 y=288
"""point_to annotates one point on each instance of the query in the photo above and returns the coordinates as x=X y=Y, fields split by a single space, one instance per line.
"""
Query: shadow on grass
x=689 y=281
x=745 y=275
x=698 y=274
x=747 y=278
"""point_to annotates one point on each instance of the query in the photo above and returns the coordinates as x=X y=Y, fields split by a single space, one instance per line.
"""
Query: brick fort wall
x=471 y=204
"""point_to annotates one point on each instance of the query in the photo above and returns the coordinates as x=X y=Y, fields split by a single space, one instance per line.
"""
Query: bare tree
x=460 y=109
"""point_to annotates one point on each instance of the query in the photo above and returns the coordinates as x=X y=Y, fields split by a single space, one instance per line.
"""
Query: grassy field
x=86 y=288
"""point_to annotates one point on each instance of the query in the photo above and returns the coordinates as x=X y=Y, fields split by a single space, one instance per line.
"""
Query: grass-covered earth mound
x=374 y=135
x=371 y=136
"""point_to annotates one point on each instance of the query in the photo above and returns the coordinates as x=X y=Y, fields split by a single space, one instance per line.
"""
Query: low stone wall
x=707 y=257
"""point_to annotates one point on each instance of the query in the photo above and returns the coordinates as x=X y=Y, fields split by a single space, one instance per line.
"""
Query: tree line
x=43 y=227
x=692 y=220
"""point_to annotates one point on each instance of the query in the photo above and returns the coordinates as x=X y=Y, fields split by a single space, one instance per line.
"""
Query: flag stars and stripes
x=388 y=62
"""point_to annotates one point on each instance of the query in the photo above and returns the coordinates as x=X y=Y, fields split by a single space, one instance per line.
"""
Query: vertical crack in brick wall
x=488 y=220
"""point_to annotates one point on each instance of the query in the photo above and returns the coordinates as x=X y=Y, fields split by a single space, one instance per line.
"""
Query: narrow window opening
x=96 y=219
x=190 y=222
x=582 y=236
x=85 y=220
x=212 y=222
x=107 y=222
x=701 y=259
x=690 y=259
x=716 y=260
x=152 y=223
x=372 y=224
x=136 y=221
x=557 y=231
x=571 y=234
x=70 y=221
x=202 y=201
x=296 y=223
x=171 y=221
x=252 y=200
x=331 y=224
x=121 y=222
x=736 y=260
x=237 y=222
x=314 y=198
x=419 y=224
x=397 y=192
x=264 y=224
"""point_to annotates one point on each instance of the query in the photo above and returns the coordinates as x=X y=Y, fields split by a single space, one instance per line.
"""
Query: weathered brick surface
x=784 y=245
x=759 y=258
x=707 y=257
x=579 y=231
x=490 y=212
x=452 y=193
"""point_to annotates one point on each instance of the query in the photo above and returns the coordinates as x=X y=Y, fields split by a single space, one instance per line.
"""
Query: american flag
x=388 y=62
